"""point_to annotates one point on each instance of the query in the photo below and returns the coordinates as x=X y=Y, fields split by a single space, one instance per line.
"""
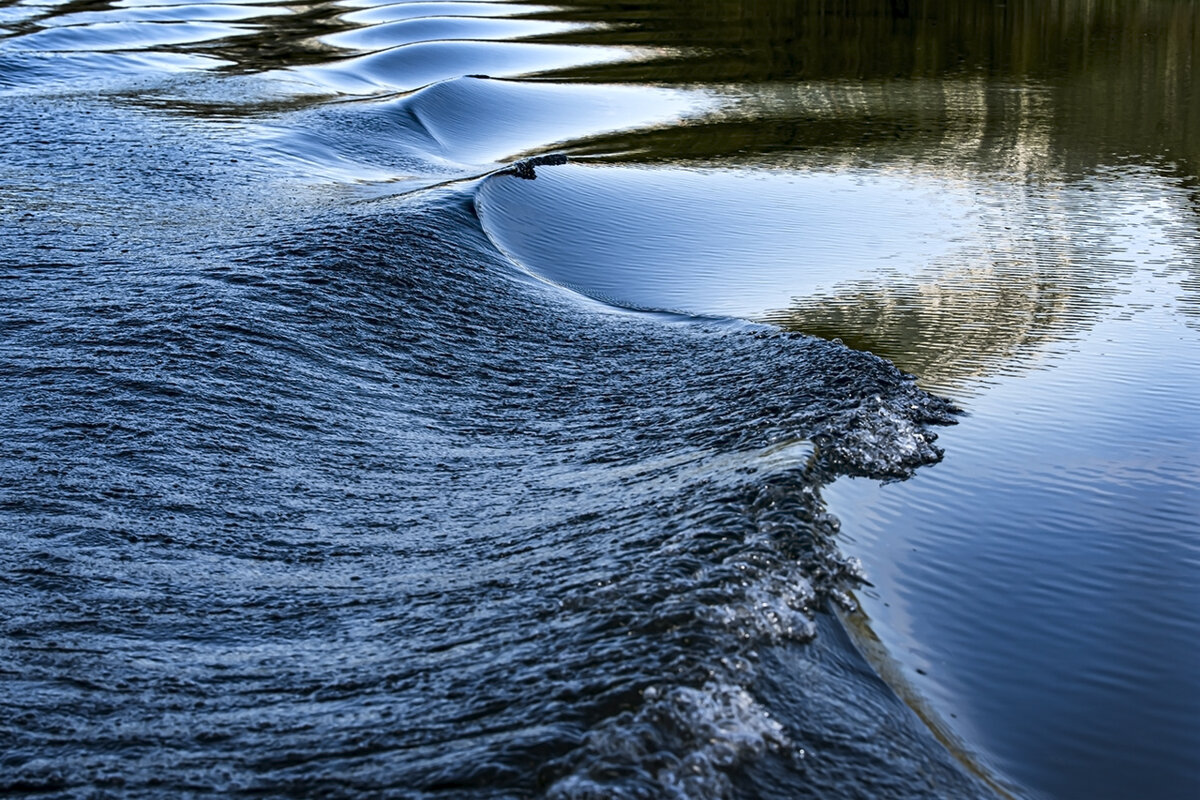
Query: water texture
x=617 y=400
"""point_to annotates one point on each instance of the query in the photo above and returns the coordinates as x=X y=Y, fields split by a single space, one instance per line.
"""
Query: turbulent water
x=450 y=399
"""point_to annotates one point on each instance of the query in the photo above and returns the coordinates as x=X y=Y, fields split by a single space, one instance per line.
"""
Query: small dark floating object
x=524 y=169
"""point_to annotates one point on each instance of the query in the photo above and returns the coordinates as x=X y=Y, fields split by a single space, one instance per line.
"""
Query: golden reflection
x=947 y=330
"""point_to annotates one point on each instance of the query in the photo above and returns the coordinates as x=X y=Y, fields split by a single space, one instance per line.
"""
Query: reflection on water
x=1019 y=288
x=430 y=29
x=1118 y=74
x=1000 y=199
x=102 y=36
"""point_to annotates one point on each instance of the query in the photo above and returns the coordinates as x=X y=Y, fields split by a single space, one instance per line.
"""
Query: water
x=340 y=460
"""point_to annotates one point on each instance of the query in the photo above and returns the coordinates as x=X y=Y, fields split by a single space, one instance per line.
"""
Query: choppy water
x=343 y=459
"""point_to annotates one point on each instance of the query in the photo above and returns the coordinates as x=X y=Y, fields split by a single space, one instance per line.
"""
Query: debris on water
x=525 y=168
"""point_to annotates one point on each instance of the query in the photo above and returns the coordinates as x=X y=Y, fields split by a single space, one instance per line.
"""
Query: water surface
x=825 y=428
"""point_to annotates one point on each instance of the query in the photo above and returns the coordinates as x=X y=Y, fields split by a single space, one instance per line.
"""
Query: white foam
x=708 y=730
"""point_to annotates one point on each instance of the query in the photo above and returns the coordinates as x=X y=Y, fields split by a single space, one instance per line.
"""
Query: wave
x=332 y=497
x=720 y=242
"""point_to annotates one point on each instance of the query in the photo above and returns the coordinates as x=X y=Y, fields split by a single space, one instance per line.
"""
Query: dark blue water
x=341 y=458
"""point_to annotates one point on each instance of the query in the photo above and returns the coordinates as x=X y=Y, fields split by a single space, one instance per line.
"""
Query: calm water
x=826 y=427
